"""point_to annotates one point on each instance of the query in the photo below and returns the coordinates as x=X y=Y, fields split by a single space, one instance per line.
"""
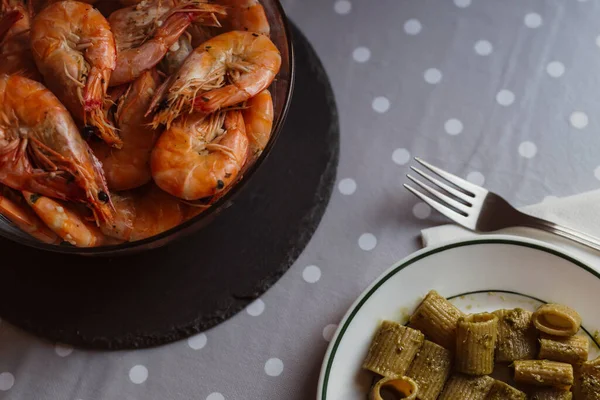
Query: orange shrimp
x=15 y=48
x=74 y=50
x=63 y=220
x=144 y=212
x=245 y=15
x=38 y=5
x=196 y=158
x=42 y=151
x=14 y=208
x=129 y=167
x=145 y=32
x=258 y=117
x=226 y=70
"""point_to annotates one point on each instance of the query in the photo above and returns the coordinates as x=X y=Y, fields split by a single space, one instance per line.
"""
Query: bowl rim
x=215 y=208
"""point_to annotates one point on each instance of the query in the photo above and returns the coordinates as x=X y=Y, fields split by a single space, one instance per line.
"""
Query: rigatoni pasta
x=517 y=337
x=587 y=386
x=430 y=369
x=400 y=388
x=475 y=343
x=572 y=349
x=550 y=394
x=544 y=373
x=502 y=391
x=393 y=349
x=436 y=317
x=557 y=320
x=465 y=387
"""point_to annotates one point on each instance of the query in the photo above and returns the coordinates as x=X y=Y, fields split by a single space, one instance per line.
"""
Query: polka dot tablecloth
x=505 y=94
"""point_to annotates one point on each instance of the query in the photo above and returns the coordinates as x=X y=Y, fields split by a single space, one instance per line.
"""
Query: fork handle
x=576 y=236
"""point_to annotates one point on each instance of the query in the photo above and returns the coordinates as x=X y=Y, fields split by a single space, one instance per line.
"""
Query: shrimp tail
x=215 y=99
x=8 y=21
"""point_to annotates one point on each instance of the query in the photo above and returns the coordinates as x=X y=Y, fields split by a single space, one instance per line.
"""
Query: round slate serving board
x=179 y=290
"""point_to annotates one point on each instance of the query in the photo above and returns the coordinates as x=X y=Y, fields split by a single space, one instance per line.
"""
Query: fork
x=478 y=209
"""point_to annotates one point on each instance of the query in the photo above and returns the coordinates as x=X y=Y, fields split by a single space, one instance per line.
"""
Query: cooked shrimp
x=226 y=70
x=177 y=54
x=74 y=50
x=13 y=207
x=15 y=48
x=129 y=167
x=245 y=15
x=65 y=221
x=258 y=117
x=196 y=158
x=42 y=151
x=145 y=32
x=144 y=212
x=39 y=5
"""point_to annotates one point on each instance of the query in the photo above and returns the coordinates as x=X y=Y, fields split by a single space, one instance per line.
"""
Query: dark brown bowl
x=281 y=90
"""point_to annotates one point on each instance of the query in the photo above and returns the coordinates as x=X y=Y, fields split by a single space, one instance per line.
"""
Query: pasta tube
x=517 y=337
x=436 y=317
x=502 y=391
x=400 y=388
x=475 y=343
x=572 y=349
x=550 y=394
x=464 y=387
x=544 y=373
x=430 y=369
x=393 y=349
x=557 y=320
x=587 y=386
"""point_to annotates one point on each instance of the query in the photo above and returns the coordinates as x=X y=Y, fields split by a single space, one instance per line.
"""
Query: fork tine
x=435 y=204
x=467 y=186
x=457 y=193
x=463 y=210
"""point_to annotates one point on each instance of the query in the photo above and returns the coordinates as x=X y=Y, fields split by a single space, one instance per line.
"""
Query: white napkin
x=580 y=212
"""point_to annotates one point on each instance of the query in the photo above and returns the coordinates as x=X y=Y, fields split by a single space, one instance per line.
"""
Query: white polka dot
x=549 y=198
x=198 y=341
x=400 y=156
x=433 y=76
x=505 y=97
x=579 y=119
x=381 y=104
x=138 y=374
x=412 y=27
x=367 y=241
x=462 y=3
x=421 y=210
x=311 y=274
x=347 y=186
x=215 y=396
x=361 y=54
x=555 y=69
x=7 y=380
x=63 y=350
x=527 y=149
x=342 y=7
x=256 y=308
x=329 y=331
x=453 y=126
x=274 y=367
x=476 y=178
x=533 y=20
x=483 y=48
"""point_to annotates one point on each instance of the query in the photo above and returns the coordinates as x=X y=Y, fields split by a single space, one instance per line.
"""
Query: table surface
x=502 y=93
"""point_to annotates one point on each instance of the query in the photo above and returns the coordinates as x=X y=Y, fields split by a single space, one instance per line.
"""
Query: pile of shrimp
x=121 y=119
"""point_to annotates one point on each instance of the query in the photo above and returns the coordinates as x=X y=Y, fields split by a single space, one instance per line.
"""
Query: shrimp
x=245 y=15
x=129 y=167
x=14 y=208
x=15 y=49
x=258 y=117
x=226 y=70
x=74 y=50
x=38 y=5
x=196 y=158
x=177 y=54
x=145 y=32
x=42 y=151
x=65 y=221
x=144 y=212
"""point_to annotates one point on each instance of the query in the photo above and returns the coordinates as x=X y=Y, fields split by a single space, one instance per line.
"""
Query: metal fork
x=480 y=210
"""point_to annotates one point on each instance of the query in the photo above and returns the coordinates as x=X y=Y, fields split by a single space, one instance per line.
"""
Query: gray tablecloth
x=505 y=93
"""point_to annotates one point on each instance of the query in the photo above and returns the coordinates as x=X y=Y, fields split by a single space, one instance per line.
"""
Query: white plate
x=479 y=275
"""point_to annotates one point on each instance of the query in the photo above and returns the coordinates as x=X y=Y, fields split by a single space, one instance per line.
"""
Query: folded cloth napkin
x=580 y=212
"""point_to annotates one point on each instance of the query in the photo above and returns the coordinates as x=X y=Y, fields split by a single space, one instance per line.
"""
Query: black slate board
x=171 y=293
